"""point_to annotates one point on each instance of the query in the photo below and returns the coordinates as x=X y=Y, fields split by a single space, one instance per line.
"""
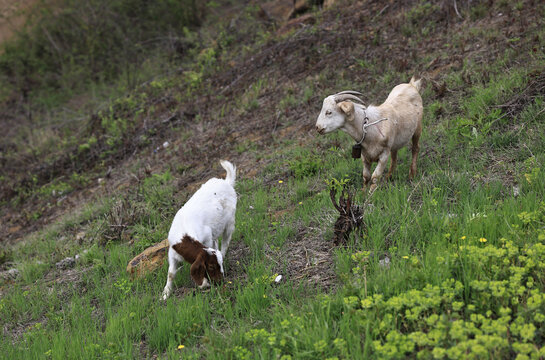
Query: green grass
x=445 y=293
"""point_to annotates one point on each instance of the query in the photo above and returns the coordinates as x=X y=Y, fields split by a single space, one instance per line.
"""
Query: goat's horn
x=343 y=97
x=351 y=92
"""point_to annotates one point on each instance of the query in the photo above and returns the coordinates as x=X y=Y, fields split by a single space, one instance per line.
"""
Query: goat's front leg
x=366 y=172
x=382 y=160
x=172 y=270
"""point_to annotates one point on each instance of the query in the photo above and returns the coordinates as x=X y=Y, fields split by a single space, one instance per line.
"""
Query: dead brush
x=350 y=216
x=118 y=220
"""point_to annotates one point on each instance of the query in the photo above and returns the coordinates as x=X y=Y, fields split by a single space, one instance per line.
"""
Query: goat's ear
x=198 y=270
x=347 y=107
x=213 y=268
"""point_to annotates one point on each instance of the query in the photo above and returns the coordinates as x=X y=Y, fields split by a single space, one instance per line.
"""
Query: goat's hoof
x=165 y=295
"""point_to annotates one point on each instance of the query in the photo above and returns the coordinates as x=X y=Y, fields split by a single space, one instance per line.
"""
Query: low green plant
x=303 y=167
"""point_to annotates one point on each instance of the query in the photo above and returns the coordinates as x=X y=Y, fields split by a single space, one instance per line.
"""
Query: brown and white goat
x=193 y=236
x=380 y=131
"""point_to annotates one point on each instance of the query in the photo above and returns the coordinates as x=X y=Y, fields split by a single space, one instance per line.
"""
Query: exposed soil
x=310 y=259
x=307 y=259
x=524 y=97
x=12 y=16
x=16 y=330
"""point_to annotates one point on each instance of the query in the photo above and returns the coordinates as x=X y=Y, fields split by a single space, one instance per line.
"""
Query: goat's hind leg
x=415 y=149
x=393 y=163
x=226 y=239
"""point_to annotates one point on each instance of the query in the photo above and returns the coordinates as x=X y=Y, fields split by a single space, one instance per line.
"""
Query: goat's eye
x=328 y=112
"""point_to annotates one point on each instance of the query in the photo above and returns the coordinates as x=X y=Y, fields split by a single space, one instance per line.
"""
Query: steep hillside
x=12 y=17
x=447 y=266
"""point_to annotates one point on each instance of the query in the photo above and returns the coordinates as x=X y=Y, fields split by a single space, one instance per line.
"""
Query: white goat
x=195 y=230
x=379 y=131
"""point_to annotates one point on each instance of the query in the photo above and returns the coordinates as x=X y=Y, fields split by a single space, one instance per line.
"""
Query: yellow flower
x=300 y=203
x=229 y=282
x=180 y=347
x=405 y=257
x=463 y=237
x=264 y=296
x=483 y=240
x=280 y=181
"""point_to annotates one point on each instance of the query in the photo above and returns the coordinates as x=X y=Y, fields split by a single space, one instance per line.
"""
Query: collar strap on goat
x=366 y=125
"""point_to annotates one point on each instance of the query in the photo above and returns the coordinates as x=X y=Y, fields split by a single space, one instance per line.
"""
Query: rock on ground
x=10 y=274
x=149 y=260
x=66 y=263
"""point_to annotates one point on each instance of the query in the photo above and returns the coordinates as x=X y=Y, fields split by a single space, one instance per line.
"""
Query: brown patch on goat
x=202 y=263
x=350 y=216
x=189 y=248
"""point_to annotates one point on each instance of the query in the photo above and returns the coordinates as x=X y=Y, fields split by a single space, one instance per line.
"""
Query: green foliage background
x=68 y=45
x=465 y=240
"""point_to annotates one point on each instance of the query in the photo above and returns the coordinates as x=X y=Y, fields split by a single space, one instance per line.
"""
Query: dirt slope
x=348 y=43
x=12 y=16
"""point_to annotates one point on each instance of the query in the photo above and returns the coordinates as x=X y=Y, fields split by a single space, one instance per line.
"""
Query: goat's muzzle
x=320 y=130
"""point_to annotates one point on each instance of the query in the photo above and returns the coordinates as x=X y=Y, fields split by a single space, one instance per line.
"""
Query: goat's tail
x=231 y=171
x=416 y=83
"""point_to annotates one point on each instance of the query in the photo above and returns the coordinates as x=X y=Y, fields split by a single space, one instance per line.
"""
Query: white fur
x=204 y=284
x=218 y=255
x=403 y=111
x=207 y=215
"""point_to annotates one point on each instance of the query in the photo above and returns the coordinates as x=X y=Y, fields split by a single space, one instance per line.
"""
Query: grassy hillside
x=465 y=239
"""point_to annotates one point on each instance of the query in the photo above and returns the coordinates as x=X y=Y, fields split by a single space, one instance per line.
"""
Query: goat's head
x=336 y=110
x=206 y=263
x=207 y=268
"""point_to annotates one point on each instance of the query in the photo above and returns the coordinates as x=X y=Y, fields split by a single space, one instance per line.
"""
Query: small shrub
x=123 y=213
x=305 y=167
